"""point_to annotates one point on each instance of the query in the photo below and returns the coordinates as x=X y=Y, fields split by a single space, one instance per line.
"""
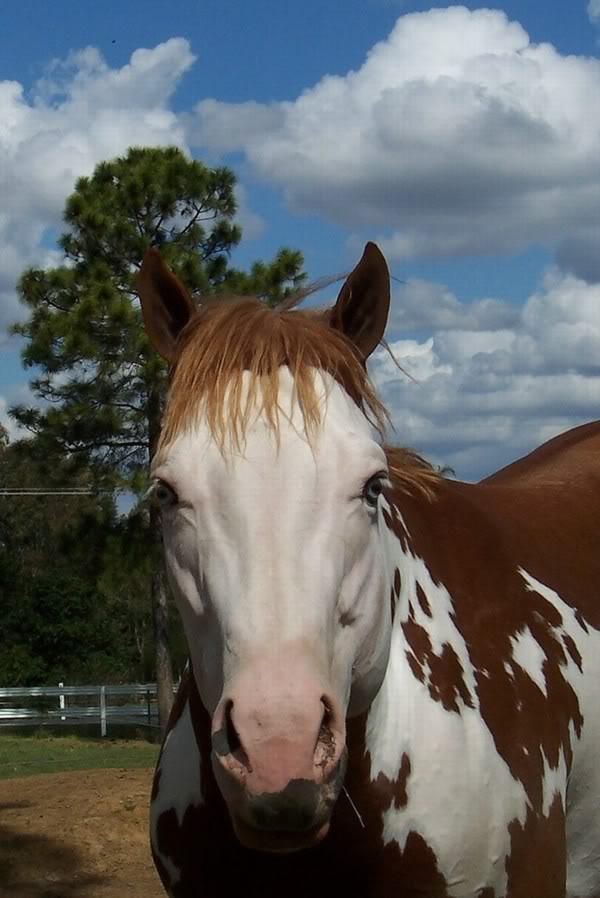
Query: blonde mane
x=231 y=336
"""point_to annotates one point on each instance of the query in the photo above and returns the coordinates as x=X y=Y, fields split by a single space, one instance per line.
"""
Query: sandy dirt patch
x=82 y=834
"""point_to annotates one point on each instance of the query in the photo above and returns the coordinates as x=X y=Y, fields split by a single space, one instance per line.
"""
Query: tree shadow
x=37 y=866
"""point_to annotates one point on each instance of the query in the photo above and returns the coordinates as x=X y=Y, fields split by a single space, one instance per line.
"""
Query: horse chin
x=278 y=842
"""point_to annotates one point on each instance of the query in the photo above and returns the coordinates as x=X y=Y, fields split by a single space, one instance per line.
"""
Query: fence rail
x=41 y=711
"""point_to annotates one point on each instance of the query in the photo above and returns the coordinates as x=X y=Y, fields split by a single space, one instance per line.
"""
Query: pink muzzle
x=279 y=754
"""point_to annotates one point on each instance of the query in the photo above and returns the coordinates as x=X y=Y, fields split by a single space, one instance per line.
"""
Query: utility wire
x=41 y=491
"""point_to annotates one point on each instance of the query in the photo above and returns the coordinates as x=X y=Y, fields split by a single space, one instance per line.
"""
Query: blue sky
x=466 y=142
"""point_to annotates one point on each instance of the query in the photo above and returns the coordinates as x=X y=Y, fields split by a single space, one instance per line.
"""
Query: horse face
x=275 y=556
x=273 y=544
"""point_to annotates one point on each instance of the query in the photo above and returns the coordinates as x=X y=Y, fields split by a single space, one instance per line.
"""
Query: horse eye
x=164 y=494
x=373 y=489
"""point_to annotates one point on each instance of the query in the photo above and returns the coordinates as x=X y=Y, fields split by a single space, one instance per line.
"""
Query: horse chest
x=422 y=829
x=447 y=802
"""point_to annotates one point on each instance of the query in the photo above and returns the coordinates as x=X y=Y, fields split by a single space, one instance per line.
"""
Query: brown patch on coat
x=573 y=650
x=446 y=680
x=581 y=621
x=537 y=861
x=416 y=868
x=400 y=789
x=443 y=673
x=395 y=591
x=419 y=642
x=423 y=601
x=474 y=539
x=416 y=668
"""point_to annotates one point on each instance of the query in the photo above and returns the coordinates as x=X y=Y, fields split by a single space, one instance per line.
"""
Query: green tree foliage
x=74 y=581
x=57 y=631
x=41 y=531
x=50 y=555
x=128 y=565
x=100 y=383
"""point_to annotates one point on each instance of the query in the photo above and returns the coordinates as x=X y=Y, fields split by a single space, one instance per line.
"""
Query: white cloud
x=80 y=113
x=456 y=136
x=593 y=9
x=251 y=223
x=5 y=421
x=419 y=362
x=14 y=395
x=423 y=304
x=483 y=397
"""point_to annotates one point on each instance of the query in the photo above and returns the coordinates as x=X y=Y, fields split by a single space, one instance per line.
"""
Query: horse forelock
x=228 y=364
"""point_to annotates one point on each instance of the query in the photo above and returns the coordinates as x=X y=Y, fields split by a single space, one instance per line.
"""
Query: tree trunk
x=160 y=610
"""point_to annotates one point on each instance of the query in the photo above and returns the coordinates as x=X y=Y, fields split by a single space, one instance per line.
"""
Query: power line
x=41 y=491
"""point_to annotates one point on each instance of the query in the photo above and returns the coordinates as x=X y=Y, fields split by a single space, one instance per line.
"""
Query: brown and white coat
x=461 y=732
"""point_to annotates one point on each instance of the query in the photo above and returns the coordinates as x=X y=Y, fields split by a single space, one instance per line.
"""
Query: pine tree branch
x=199 y=210
x=156 y=229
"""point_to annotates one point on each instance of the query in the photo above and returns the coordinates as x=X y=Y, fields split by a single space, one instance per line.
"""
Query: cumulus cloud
x=456 y=136
x=5 y=421
x=79 y=113
x=82 y=111
x=422 y=304
x=10 y=396
x=593 y=9
x=482 y=397
x=580 y=253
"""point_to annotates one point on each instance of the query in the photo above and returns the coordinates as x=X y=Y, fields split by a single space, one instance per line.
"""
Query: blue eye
x=164 y=494
x=373 y=489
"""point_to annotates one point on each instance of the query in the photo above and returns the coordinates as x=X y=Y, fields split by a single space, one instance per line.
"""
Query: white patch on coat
x=554 y=782
x=179 y=786
x=530 y=657
x=583 y=780
x=461 y=793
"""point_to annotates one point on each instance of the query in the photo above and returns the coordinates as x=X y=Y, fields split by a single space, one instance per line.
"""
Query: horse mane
x=229 y=337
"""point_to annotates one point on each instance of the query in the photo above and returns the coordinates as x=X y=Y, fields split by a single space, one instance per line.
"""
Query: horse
x=393 y=681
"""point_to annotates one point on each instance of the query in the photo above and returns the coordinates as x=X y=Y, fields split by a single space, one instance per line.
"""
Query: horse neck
x=406 y=517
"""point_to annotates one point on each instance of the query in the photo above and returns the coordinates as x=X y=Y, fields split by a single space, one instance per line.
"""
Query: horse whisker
x=354 y=808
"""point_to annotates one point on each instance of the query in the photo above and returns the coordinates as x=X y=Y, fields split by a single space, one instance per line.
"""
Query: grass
x=41 y=752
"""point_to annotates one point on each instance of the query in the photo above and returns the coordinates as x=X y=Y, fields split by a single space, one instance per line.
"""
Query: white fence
x=132 y=704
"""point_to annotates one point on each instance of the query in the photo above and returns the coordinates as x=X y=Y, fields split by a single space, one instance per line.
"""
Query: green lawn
x=40 y=752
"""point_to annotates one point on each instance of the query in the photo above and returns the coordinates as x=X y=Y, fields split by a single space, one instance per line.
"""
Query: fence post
x=61 y=701
x=103 y=710
x=148 y=706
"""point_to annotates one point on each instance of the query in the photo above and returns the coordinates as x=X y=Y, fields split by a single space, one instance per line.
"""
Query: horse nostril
x=226 y=740
x=227 y=743
x=234 y=743
x=326 y=741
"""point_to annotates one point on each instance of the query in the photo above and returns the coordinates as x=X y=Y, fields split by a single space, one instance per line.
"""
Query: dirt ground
x=82 y=834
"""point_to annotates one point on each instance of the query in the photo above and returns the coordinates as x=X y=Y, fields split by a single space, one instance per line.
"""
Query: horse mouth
x=278 y=841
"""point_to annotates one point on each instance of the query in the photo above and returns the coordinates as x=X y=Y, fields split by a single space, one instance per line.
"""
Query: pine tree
x=101 y=384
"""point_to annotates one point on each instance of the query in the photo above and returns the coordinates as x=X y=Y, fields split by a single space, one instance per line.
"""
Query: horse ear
x=362 y=307
x=166 y=304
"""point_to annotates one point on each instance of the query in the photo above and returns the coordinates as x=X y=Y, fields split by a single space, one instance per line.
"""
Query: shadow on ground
x=36 y=866
x=77 y=834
